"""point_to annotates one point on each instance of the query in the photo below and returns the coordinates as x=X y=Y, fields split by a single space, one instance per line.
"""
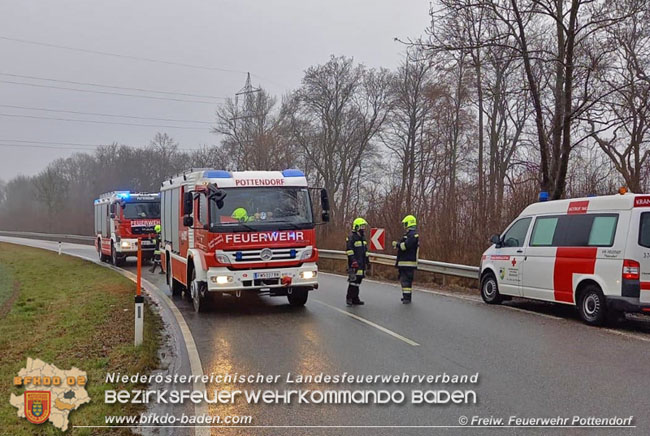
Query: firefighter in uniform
x=156 y=250
x=407 y=257
x=358 y=262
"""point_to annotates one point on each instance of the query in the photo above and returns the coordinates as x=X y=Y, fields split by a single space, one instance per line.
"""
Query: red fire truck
x=232 y=232
x=121 y=217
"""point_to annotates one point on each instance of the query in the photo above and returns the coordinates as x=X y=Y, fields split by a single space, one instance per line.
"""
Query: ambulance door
x=507 y=258
x=638 y=250
x=539 y=262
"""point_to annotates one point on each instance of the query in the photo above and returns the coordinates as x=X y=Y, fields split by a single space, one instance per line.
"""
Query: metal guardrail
x=50 y=236
x=431 y=266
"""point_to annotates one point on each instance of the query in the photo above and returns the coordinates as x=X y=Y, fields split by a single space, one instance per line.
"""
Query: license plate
x=267 y=275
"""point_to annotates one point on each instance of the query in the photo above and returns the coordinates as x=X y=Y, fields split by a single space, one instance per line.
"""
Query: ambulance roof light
x=622 y=190
x=543 y=196
x=124 y=195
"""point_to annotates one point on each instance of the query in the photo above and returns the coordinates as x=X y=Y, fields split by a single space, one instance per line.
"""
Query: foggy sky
x=274 y=40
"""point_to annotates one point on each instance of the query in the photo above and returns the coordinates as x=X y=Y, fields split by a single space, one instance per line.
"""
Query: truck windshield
x=148 y=209
x=262 y=208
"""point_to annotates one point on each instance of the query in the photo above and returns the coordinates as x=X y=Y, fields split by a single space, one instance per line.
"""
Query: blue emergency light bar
x=123 y=195
x=217 y=174
x=293 y=173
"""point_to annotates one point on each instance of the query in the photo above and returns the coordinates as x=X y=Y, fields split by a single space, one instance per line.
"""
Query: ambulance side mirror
x=188 y=203
x=496 y=240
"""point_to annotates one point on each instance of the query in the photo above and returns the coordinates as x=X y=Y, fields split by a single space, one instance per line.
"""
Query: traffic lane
x=268 y=336
x=529 y=364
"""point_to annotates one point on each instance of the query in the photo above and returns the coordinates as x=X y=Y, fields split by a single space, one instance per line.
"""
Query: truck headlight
x=308 y=274
x=222 y=258
x=125 y=244
x=222 y=280
x=307 y=253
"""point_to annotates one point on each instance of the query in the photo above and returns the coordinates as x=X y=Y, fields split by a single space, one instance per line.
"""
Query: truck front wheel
x=199 y=293
x=298 y=297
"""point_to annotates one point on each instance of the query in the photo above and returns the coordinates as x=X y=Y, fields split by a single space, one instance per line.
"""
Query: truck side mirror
x=496 y=240
x=188 y=203
x=325 y=216
x=112 y=216
x=188 y=221
x=324 y=200
x=113 y=209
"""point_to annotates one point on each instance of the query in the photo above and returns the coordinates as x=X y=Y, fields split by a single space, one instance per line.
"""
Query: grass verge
x=70 y=312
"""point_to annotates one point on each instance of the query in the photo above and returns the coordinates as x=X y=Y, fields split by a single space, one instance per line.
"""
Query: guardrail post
x=139 y=300
x=59 y=248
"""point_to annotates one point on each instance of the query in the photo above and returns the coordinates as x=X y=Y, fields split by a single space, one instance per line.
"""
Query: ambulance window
x=516 y=234
x=644 y=230
x=575 y=230
x=543 y=232
x=602 y=231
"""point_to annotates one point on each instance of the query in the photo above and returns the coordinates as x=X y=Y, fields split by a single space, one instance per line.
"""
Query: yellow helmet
x=357 y=223
x=409 y=221
x=157 y=228
x=240 y=214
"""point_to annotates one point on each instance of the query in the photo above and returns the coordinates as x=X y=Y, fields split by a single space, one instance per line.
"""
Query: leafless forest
x=498 y=101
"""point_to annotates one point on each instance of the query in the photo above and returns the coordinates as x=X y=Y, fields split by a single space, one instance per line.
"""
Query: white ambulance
x=592 y=252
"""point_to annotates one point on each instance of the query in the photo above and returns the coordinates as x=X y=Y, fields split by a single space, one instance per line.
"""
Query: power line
x=101 y=114
x=137 y=58
x=100 y=122
x=107 y=92
x=110 y=86
x=69 y=145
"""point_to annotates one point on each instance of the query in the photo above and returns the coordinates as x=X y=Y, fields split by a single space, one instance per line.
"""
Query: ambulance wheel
x=298 y=297
x=592 y=305
x=490 y=289
x=199 y=294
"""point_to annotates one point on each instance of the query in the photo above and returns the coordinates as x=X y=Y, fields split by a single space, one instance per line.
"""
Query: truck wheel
x=115 y=259
x=592 y=306
x=102 y=256
x=199 y=295
x=298 y=297
x=490 y=290
x=177 y=288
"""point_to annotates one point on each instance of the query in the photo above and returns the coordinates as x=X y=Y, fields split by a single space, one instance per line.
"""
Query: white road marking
x=370 y=323
x=628 y=335
x=478 y=300
x=192 y=351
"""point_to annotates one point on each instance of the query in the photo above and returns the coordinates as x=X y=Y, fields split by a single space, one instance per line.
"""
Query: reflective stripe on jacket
x=357 y=249
x=407 y=250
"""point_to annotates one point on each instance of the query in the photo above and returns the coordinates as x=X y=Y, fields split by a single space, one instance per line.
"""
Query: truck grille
x=264 y=255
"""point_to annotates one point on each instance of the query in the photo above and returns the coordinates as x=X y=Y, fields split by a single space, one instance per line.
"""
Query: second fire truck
x=121 y=218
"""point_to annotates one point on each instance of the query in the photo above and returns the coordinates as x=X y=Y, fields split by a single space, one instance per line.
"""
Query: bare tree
x=334 y=117
x=620 y=123
x=251 y=134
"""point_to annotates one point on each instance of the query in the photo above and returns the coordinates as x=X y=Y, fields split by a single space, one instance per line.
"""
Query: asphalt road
x=533 y=359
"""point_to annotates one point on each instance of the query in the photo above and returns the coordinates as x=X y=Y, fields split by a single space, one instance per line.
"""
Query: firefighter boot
x=358 y=302
x=406 y=298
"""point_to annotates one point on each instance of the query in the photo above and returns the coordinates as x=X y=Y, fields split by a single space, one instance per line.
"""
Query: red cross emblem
x=514 y=261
